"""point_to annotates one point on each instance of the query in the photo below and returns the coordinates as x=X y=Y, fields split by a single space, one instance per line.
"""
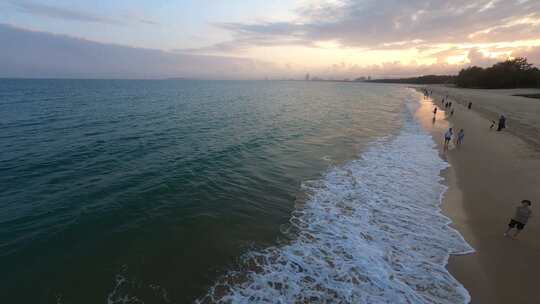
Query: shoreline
x=488 y=176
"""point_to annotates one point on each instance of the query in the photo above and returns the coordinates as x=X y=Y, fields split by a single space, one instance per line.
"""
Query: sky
x=255 y=39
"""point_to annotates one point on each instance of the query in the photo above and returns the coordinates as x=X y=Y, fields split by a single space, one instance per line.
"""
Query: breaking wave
x=370 y=231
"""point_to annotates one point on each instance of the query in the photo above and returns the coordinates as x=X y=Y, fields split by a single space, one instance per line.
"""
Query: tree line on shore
x=512 y=73
x=426 y=79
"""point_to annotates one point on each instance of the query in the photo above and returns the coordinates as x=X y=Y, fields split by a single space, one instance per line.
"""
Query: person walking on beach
x=447 y=138
x=520 y=218
x=502 y=123
x=460 y=137
x=435 y=111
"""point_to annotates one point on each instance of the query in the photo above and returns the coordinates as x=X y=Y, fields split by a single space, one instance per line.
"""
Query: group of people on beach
x=426 y=93
x=448 y=138
x=523 y=212
x=448 y=135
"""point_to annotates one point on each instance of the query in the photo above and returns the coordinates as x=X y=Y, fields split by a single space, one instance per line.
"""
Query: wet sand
x=489 y=175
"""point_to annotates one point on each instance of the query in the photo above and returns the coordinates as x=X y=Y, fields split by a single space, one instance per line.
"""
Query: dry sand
x=523 y=113
x=489 y=175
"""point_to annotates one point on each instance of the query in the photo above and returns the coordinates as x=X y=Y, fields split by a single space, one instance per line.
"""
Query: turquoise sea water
x=127 y=191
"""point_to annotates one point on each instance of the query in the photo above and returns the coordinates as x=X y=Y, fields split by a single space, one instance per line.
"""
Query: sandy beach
x=489 y=175
x=523 y=113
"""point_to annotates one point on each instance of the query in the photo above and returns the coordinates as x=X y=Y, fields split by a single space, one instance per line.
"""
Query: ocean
x=186 y=191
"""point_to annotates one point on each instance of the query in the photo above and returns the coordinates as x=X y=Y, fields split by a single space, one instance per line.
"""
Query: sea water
x=169 y=191
x=371 y=231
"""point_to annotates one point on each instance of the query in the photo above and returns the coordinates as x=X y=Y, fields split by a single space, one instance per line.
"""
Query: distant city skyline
x=241 y=39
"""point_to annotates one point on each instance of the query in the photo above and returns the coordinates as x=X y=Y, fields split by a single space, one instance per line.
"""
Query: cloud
x=477 y=58
x=338 y=38
x=54 y=12
x=391 y=37
x=391 y=69
x=138 y=18
x=370 y=23
x=32 y=54
x=531 y=53
x=148 y=21
x=48 y=11
x=242 y=44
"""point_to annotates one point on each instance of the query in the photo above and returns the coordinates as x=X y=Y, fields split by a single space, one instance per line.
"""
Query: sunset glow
x=290 y=38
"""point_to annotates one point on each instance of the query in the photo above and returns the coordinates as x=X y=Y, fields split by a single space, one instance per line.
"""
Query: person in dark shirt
x=447 y=138
x=502 y=123
x=520 y=218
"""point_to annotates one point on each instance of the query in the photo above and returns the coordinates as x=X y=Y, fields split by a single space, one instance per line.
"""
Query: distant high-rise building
x=307 y=77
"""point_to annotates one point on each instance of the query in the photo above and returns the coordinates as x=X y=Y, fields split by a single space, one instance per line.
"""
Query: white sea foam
x=125 y=289
x=120 y=295
x=371 y=231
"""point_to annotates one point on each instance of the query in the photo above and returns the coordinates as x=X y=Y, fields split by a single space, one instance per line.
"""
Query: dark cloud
x=54 y=12
x=371 y=23
x=43 y=55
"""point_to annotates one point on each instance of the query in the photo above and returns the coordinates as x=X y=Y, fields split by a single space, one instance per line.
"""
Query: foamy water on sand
x=370 y=231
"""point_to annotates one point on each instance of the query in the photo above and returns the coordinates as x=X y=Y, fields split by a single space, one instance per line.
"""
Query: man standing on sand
x=520 y=218
x=460 y=137
x=502 y=123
